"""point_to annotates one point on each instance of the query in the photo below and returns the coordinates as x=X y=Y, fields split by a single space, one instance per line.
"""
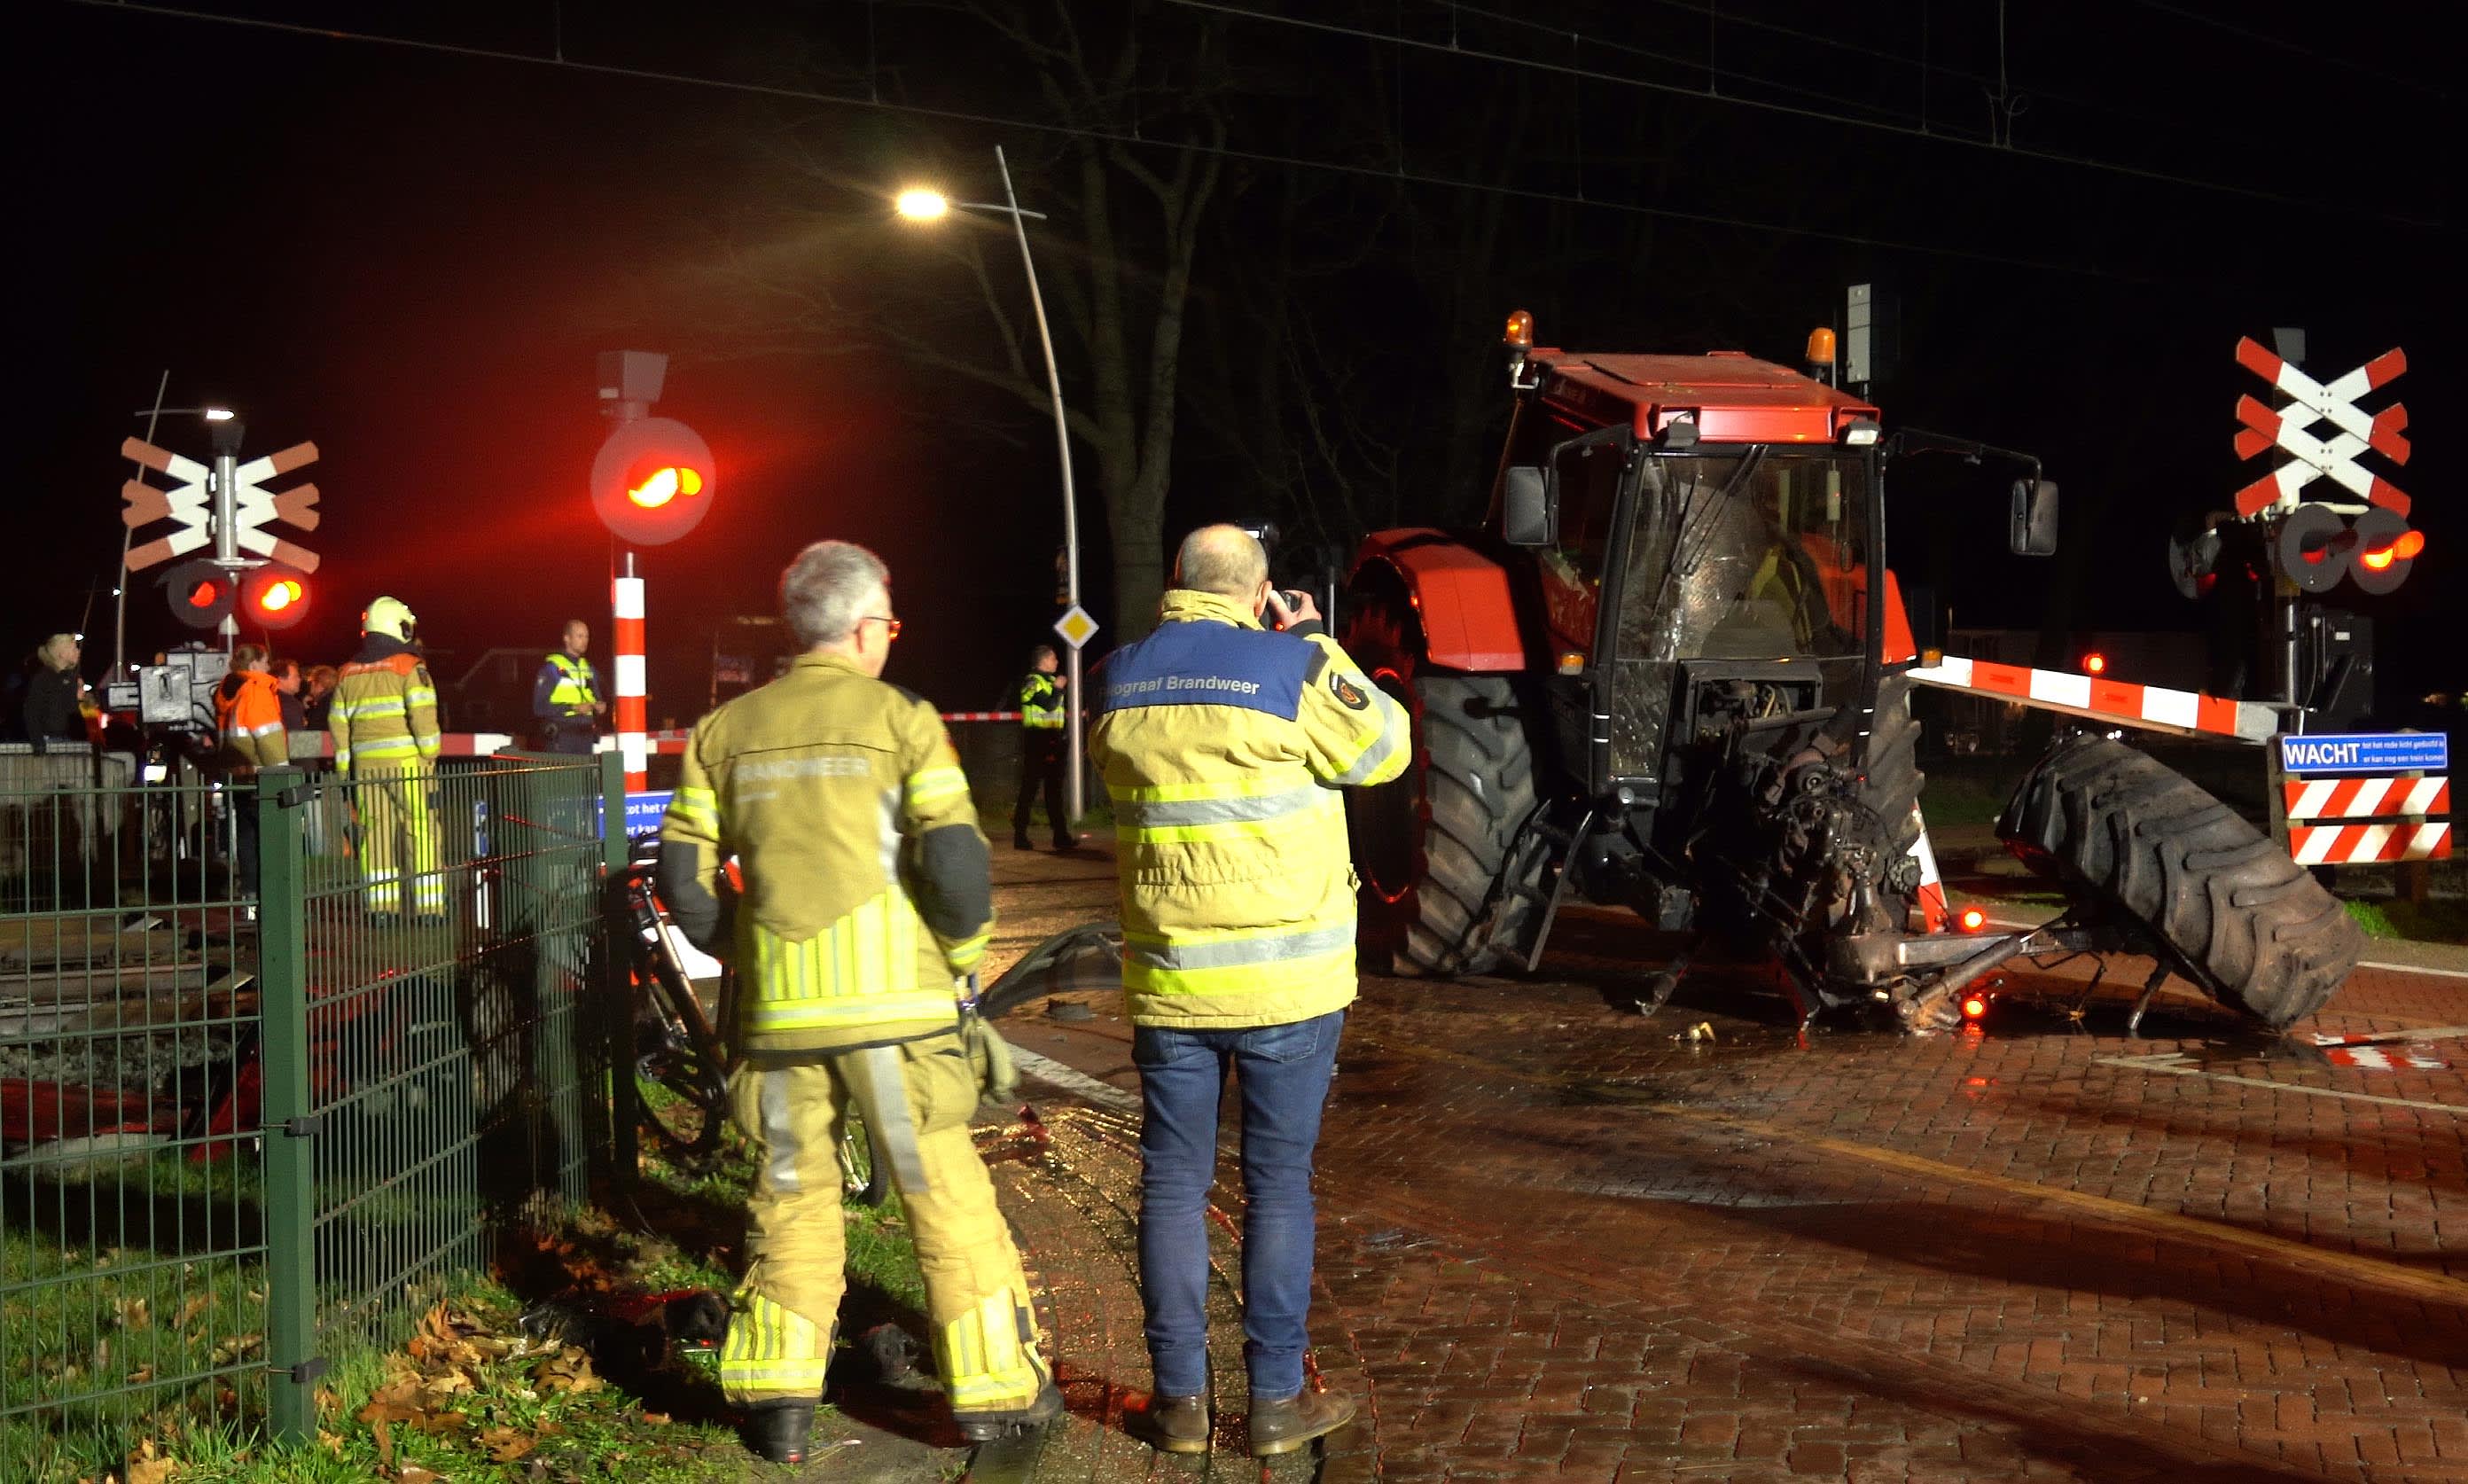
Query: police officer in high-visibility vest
x=866 y=895
x=1224 y=748
x=1042 y=749
x=384 y=725
x=566 y=694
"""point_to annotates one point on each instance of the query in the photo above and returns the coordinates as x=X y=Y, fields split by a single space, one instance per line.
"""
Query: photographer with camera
x=1225 y=746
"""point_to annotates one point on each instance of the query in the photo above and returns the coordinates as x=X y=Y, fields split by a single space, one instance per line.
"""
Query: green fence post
x=616 y=983
x=291 y=1205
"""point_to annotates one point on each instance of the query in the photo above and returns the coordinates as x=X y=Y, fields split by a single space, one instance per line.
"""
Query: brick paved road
x=1557 y=1241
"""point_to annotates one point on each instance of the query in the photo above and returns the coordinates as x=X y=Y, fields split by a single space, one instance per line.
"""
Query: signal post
x=651 y=482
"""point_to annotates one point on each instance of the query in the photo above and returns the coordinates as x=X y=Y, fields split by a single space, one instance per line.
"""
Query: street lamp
x=918 y=203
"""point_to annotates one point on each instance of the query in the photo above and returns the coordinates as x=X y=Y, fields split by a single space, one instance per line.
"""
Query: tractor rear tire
x=2236 y=916
x=1892 y=784
x=1469 y=790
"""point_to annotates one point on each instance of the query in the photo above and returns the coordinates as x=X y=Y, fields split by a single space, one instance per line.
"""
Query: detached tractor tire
x=2236 y=916
x=1433 y=848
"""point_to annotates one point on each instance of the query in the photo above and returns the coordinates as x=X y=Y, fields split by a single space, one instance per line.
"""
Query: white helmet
x=390 y=617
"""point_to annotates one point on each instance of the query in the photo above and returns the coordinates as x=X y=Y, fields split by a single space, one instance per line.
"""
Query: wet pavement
x=1562 y=1239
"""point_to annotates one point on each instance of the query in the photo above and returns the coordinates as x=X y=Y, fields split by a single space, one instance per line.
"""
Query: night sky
x=410 y=257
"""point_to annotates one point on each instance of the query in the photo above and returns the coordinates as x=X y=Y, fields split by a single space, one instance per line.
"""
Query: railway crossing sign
x=195 y=504
x=2311 y=404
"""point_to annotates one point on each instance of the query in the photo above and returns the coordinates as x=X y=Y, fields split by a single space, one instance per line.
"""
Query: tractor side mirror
x=2033 y=529
x=1529 y=513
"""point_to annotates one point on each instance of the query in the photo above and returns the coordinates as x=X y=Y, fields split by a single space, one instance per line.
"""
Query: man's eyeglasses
x=890 y=625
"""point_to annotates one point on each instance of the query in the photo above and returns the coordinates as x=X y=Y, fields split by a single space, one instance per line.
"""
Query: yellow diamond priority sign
x=1076 y=627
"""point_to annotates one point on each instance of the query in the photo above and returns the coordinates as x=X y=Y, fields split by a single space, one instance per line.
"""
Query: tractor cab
x=1700 y=531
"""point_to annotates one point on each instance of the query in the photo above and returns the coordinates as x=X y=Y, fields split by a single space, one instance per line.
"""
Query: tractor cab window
x=1759 y=555
x=1572 y=566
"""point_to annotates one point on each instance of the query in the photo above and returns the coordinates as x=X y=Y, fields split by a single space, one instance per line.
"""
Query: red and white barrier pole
x=625 y=598
x=1935 y=914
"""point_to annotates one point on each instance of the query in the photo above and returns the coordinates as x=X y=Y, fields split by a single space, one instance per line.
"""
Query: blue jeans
x=1282 y=1072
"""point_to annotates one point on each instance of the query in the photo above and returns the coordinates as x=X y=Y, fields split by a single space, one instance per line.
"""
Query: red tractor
x=1670 y=671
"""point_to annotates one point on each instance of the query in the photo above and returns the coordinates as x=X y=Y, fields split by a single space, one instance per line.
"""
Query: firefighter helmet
x=390 y=617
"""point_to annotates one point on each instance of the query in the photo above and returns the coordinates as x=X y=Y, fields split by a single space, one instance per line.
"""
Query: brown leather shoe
x=1170 y=1425
x=1282 y=1426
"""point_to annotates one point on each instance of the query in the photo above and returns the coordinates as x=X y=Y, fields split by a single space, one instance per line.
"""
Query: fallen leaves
x=568 y=1370
x=147 y=1466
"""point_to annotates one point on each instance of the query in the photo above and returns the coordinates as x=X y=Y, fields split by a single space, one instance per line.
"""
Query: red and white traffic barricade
x=2354 y=799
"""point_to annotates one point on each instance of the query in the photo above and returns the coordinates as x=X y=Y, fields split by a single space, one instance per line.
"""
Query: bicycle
x=680 y=1062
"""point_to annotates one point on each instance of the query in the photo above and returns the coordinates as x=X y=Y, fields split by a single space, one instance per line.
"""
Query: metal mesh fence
x=252 y=1109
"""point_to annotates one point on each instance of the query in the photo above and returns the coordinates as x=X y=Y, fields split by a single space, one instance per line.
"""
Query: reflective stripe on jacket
x=248 y=714
x=1040 y=702
x=566 y=687
x=1223 y=746
x=385 y=708
x=867 y=883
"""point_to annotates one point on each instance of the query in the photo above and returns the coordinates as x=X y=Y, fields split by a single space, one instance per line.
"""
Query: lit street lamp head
x=917 y=203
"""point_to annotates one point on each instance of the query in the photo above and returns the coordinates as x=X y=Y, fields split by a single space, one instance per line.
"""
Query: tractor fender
x=1460 y=598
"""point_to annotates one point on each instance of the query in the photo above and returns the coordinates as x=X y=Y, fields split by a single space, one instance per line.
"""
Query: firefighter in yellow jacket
x=1224 y=748
x=867 y=896
x=384 y=726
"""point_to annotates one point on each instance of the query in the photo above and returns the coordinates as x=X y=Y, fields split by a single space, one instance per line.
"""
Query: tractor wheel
x=2237 y=917
x=1893 y=776
x=1432 y=848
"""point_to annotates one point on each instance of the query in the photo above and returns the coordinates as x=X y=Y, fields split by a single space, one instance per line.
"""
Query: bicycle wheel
x=680 y=1073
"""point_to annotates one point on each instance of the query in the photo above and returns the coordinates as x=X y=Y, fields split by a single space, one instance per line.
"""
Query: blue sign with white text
x=643 y=810
x=2366 y=752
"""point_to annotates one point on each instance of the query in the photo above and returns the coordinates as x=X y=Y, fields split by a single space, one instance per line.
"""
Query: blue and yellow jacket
x=867 y=883
x=1223 y=746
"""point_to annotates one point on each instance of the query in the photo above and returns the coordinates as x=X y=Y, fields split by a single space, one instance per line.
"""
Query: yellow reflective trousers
x=398 y=837
x=779 y=1345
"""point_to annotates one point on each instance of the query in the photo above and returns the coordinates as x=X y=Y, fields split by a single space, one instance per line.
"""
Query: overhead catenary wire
x=1921 y=65
x=1392 y=173
x=2343 y=208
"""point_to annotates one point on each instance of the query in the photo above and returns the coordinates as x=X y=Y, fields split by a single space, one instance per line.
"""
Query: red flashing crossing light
x=1971 y=918
x=651 y=481
x=200 y=593
x=274 y=596
x=2387 y=551
x=1975 y=1007
x=665 y=485
x=2096 y=663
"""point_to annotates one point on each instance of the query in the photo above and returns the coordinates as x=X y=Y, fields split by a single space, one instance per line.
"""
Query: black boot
x=1020 y=840
x=780 y=1431
x=994 y=1427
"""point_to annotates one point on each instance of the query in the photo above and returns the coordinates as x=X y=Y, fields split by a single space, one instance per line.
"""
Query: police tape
x=488 y=744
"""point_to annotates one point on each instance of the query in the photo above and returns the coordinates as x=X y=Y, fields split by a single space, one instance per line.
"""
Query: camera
x=179 y=692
